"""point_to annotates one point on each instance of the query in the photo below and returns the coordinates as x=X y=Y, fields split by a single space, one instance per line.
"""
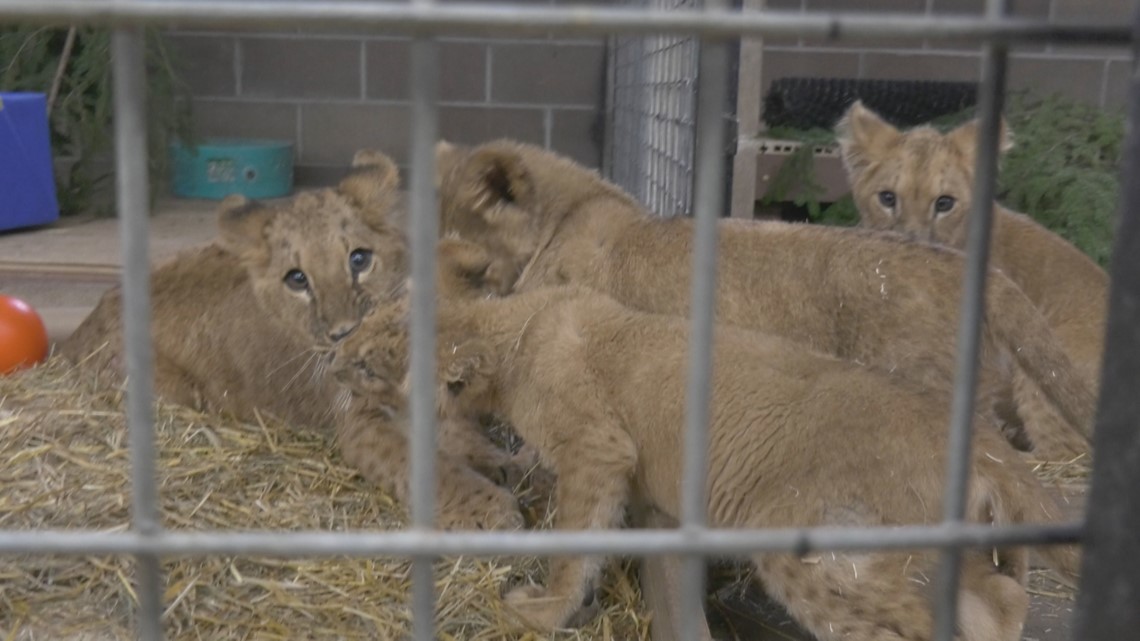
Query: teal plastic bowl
x=219 y=167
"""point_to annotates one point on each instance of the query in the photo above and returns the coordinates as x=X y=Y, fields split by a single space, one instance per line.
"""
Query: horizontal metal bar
x=617 y=542
x=513 y=19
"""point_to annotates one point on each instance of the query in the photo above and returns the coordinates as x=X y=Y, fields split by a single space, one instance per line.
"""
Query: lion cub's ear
x=448 y=155
x=863 y=136
x=965 y=138
x=372 y=183
x=496 y=176
x=241 y=226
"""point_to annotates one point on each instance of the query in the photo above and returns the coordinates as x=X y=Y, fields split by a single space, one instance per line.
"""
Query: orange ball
x=23 y=337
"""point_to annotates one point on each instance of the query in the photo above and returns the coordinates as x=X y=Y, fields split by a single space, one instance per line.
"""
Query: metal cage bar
x=424 y=19
x=513 y=19
x=709 y=190
x=647 y=542
x=1110 y=590
x=132 y=193
x=424 y=233
x=972 y=311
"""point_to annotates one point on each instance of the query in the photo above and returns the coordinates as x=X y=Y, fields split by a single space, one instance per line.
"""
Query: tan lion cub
x=863 y=296
x=247 y=323
x=921 y=182
x=797 y=439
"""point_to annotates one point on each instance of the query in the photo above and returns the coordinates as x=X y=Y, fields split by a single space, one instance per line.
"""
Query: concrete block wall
x=1097 y=75
x=332 y=93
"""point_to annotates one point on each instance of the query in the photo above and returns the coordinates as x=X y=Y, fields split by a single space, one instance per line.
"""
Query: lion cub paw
x=537 y=608
x=488 y=507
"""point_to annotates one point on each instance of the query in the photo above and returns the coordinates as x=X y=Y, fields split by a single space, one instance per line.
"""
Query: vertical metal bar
x=972 y=310
x=424 y=233
x=607 y=161
x=713 y=81
x=132 y=193
x=1110 y=576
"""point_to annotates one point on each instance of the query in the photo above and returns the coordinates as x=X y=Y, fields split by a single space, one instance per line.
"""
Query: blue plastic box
x=27 y=181
x=218 y=167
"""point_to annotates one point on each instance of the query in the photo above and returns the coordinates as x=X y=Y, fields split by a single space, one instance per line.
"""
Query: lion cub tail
x=1023 y=330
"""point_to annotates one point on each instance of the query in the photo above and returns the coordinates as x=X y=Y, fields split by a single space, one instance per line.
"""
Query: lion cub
x=921 y=182
x=248 y=322
x=862 y=296
x=598 y=390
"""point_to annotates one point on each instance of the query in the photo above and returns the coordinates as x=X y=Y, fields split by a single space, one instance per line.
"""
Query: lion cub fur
x=796 y=439
x=230 y=336
x=928 y=180
x=861 y=295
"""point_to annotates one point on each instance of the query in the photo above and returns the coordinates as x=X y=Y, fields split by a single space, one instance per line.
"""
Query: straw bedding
x=64 y=464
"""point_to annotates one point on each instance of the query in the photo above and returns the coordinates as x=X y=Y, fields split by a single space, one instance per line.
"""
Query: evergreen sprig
x=81 y=117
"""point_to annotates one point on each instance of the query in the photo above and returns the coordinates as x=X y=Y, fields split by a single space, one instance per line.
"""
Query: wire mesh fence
x=670 y=157
x=653 y=115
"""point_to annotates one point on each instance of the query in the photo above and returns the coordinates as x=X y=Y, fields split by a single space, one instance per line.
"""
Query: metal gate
x=1111 y=576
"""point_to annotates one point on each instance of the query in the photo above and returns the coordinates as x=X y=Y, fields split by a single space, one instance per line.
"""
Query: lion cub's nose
x=340 y=332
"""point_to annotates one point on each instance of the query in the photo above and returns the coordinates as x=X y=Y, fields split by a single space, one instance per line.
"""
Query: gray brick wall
x=1097 y=75
x=334 y=93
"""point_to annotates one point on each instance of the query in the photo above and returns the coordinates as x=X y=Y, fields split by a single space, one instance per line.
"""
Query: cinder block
x=331 y=133
x=473 y=125
x=300 y=68
x=1116 y=90
x=578 y=134
x=462 y=70
x=205 y=63
x=560 y=74
x=919 y=65
x=245 y=119
x=1076 y=78
x=815 y=64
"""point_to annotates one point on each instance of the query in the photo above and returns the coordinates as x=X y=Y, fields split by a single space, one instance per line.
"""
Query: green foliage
x=1062 y=170
x=842 y=213
x=81 y=117
x=795 y=180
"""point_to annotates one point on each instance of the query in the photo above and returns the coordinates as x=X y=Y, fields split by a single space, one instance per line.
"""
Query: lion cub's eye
x=887 y=199
x=359 y=260
x=296 y=280
x=944 y=204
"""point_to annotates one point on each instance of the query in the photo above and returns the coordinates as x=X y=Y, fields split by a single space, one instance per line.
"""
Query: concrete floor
x=62 y=269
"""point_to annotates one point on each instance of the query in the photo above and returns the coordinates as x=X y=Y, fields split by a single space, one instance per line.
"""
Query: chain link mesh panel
x=653 y=110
